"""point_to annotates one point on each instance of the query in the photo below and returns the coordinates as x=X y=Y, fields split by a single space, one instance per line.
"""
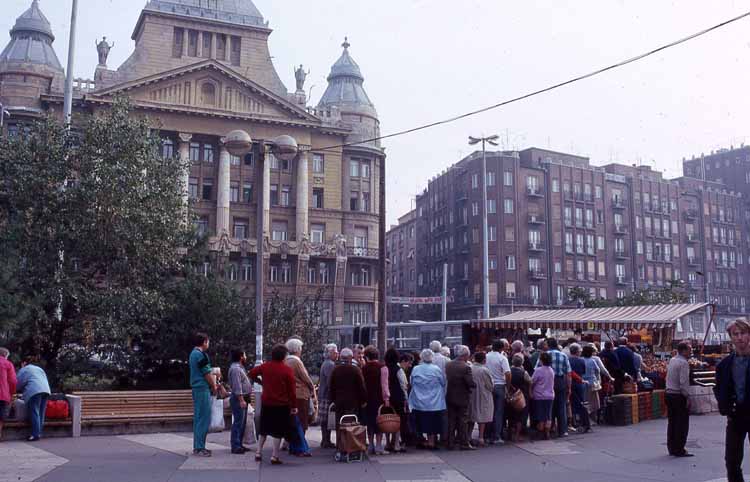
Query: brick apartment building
x=201 y=70
x=557 y=222
x=401 y=267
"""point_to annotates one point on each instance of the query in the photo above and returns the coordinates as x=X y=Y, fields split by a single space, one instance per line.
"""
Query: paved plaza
x=611 y=454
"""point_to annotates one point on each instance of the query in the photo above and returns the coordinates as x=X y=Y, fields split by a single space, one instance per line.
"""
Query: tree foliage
x=669 y=294
x=97 y=273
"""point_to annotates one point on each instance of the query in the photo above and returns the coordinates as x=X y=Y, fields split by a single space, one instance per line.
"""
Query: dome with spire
x=345 y=90
x=241 y=12
x=31 y=41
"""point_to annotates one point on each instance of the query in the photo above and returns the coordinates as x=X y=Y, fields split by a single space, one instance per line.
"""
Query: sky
x=426 y=60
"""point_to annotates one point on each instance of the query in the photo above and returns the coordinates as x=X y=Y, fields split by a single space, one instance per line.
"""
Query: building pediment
x=208 y=86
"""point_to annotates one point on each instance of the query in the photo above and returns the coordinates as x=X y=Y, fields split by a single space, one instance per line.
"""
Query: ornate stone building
x=201 y=70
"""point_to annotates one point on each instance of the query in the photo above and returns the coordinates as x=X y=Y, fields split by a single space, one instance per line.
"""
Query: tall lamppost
x=239 y=143
x=492 y=140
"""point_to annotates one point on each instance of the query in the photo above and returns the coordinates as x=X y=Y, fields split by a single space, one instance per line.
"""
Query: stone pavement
x=610 y=454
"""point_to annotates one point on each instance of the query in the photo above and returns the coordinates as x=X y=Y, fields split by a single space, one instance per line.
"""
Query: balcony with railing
x=691 y=237
x=535 y=219
x=534 y=191
x=537 y=274
x=621 y=254
x=693 y=261
x=618 y=203
x=359 y=252
x=622 y=280
x=620 y=229
x=690 y=214
x=536 y=246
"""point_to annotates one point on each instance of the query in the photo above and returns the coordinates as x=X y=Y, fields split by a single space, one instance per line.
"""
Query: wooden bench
x=157 y=407
x=108 y=408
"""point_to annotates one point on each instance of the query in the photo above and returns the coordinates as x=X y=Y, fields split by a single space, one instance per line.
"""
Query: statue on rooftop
x=103 y=49
x=300 y=75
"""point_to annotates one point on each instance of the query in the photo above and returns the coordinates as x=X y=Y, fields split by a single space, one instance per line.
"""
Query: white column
x=184 y=151
x=302 y=196
x=222 y=198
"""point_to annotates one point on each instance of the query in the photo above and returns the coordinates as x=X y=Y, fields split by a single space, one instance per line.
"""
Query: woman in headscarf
x=427 y=397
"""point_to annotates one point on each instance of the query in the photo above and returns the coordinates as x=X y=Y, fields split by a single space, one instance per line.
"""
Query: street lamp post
x=492 y=140
x=239 y=143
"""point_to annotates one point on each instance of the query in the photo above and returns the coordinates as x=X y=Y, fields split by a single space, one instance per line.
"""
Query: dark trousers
x=678 y=423
x=560 y=405
x=239 y=422
x=37 y=409
x=737 y=431
x=458 y=424
x=578 y=399
x=494 y=430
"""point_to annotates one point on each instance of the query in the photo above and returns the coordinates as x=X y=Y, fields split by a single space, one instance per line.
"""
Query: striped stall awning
x=614 y=318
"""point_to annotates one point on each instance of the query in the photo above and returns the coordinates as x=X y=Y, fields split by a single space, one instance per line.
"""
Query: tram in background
x=417 y=335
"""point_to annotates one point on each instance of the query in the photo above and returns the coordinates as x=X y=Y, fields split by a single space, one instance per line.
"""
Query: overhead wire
x=546 y=89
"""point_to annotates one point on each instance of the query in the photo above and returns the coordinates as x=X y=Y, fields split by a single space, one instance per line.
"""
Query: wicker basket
x=388 y=420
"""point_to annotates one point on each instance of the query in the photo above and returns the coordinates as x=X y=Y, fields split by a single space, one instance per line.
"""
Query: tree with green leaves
x=94 y=221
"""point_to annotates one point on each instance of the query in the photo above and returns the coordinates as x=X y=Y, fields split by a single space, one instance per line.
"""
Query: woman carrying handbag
x=517 y=398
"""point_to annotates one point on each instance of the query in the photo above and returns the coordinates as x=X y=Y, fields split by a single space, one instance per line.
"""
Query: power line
x=547 y=89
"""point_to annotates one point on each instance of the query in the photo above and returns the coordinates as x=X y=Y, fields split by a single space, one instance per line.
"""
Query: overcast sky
x=426 y=60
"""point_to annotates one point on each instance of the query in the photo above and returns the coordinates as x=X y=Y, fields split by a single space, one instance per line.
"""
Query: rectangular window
x=366 y=202
x=279 y=231
x=246 y=271
x=354 y=201
x=598 y=192
x=508 y=178
x=492 y=233
x=195 y=152
x=365 y=169
x=241 y=228
x=318 y=196
x=247 y=192
x=234 y=160
x=221 y=47
x=600 y=243
x=475 y=209
x=236 y=52
x=318 y=233
x=178 y=42
x=510 y=263
x=207 y=44
x=510 y=234
x=249 y=159
x=318 y=164
x=208 y=189
x=286 y=195
x=192 y=43
x=353 y=168
x=234 y=192
x=508 y=206
x=491 y=178
x=193 y=188
x=208 y=153
x=491 y=206
x=274 y=194
x=510 y=290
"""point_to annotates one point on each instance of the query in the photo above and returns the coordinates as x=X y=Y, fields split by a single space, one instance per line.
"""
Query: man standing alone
x=733 y=394
x=678 y=383
x=203 y=384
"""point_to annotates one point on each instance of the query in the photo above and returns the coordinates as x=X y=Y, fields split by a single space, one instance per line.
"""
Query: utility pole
x=445 y=292
x=68 y=104
x=492 y=140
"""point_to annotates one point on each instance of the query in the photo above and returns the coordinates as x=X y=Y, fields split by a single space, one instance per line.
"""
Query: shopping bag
x=249 y=437
x=217 y=415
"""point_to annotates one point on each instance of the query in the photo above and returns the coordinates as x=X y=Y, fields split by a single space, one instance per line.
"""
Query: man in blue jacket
x=732 y=391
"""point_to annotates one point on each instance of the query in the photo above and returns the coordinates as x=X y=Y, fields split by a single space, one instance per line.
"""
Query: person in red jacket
x=278 y=401
x=7 y=386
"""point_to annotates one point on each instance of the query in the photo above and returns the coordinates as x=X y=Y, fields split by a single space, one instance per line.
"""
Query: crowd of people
x=445 y=398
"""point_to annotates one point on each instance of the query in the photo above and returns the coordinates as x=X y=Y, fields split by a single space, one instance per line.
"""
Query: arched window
x=208 y=92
